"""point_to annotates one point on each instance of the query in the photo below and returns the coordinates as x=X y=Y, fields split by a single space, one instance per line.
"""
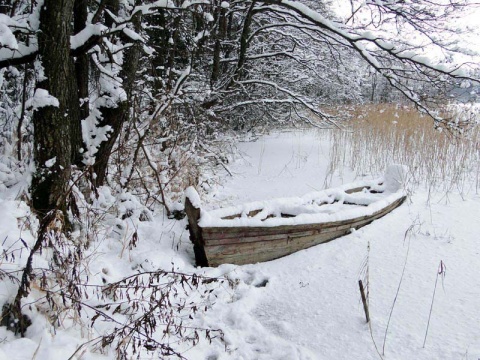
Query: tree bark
x=116 y=117
x=8 y=7
x=242 y=55
x=57 y=136
x=217 y=50
x=81 y=61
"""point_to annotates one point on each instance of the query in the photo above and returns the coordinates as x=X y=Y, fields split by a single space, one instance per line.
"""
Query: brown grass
x=380 y=135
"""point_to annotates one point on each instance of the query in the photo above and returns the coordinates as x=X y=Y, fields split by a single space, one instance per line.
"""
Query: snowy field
x=311 y=308
x=306 y=305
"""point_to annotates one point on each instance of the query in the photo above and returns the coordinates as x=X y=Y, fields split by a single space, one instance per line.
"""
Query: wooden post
x=364 y=300
x=193 y=215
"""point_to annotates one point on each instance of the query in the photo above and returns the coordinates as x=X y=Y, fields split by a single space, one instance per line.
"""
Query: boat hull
x=245 y=245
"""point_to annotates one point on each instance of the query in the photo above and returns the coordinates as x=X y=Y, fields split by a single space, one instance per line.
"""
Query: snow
x=150 y=8
x=302 y=306
x=7 y=38
x=51 y=162
x=42 y=98
x=184 y=74
x=132 y=35
x=93 y=135
x=202 y=34
x=311 y=309
x=192 y=195
x=383 y=37
x=209 y=17
x=20 y=51
x=189 y=3
x=90 y=30
x=317 y=207
x=395 y=177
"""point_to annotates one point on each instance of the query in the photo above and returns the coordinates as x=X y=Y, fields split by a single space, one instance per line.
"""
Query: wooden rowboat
x=264 y=231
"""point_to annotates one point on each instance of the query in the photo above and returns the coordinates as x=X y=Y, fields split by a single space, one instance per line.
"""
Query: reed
x=442 y=161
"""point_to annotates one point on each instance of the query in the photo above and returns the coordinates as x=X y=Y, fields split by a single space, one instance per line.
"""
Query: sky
x=468 y=39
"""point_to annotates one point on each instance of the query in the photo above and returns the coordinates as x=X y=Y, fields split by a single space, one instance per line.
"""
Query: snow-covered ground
x=306 y=305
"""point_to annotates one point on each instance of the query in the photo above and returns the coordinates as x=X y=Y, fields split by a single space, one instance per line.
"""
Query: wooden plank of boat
x=250 y=244
x=243 y=235
x=239 y=251
x=259 y=252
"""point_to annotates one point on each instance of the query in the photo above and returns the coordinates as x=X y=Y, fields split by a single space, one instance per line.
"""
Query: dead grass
x=384 y=134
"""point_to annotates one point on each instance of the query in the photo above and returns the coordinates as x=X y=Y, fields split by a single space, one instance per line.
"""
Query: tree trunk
x=6 y=7
x=158 y=34
x=81 y=62
x=242 y=55
x=57 y=136
x=116 y=117
x=217 y=50
x=172 y=61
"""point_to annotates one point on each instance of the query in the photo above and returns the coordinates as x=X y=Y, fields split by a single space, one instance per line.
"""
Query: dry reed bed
x=384 y=134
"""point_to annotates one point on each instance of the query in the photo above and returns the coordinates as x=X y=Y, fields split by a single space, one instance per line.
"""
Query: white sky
x=469 y=40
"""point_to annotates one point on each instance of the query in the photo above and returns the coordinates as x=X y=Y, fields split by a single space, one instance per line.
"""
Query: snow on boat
x=267 y=230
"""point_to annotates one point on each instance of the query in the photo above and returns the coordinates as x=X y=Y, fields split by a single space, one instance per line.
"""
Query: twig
x=441 y=271
x=364 y=301
x=217 y=158
x=398 y=289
